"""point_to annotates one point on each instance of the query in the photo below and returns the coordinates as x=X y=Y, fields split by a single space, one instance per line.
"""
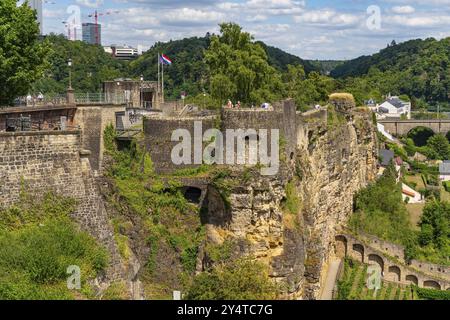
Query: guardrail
x=61 y=99
x=87 y=98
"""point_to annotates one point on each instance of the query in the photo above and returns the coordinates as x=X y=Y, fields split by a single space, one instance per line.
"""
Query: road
x=332 y=273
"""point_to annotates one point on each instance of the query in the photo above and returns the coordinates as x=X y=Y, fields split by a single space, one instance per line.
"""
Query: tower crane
x=96 y=15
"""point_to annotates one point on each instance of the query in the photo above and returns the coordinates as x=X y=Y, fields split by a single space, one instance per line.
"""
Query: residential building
x=394 y=107
x=92 y=33
x=37 y=5
x=387 y=157
x=444 y=171
x=411 y=195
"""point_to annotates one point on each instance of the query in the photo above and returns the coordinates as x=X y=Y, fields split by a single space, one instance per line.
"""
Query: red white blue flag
x=163 y=59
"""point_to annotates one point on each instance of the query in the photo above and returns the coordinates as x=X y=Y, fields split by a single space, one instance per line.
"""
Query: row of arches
x=390 y=272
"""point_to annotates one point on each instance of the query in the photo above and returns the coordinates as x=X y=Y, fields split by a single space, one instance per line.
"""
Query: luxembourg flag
x=165 y=60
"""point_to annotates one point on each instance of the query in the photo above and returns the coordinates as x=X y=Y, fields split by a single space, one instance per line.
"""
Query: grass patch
x=38 y=242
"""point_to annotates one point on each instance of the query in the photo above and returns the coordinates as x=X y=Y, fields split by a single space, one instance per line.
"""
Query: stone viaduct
x=403 y=127
x=390 y=258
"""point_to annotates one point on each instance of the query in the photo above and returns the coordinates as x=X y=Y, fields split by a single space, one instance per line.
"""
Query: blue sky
x=320 y=29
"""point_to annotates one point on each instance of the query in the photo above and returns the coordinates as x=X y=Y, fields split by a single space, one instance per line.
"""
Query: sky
x=321 y=29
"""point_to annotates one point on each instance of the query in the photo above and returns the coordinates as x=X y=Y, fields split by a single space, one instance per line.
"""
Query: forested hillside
x=189 y=72
x=417 y=68
x=325 y=66
x=91 y=66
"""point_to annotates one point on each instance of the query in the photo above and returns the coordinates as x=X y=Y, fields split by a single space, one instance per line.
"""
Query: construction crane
x=97 y=14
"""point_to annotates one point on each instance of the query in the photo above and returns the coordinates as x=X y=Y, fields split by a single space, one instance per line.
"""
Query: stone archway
x=340 y=247
x=192 y=194
x=358 y=252
x=376 y=260
x=431 y=284
x=394 y=274
x=412 y=279
x=420 y=135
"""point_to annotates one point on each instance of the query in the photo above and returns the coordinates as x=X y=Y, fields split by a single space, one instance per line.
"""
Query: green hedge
x=430 y=294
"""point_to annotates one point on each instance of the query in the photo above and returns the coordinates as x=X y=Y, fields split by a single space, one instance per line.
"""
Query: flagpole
x=159 y=78
x=163 y=83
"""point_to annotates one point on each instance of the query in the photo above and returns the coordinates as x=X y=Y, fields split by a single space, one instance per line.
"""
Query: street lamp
x=142 y=100
x=69 y=63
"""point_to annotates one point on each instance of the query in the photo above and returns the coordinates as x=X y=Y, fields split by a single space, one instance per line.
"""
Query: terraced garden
x=352 y=286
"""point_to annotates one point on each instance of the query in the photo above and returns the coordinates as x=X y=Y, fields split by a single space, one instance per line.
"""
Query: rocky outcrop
x=332 y=163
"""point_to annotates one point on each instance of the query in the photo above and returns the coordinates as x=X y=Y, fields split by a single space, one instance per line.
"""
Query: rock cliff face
x=333 y=162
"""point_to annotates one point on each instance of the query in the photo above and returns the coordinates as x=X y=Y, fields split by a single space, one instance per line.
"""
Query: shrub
x=241 y=279
x=430 y=294
x=38 y=242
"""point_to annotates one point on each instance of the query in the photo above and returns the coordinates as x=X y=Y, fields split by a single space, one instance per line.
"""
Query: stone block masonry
x=52 y=161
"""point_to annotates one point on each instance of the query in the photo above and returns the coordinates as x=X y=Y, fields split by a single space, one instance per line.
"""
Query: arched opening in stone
x=431 y=284
x=292 y=155
x=411 y=279
x=420 y=135
x=192 y=194
x=394 y=274
x=358 y=252
x=376 y=260
x=340 y=248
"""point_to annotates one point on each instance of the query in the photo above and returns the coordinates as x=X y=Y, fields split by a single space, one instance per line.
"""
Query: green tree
x=435 y=228
x=439 y=147
x=22 y=54
x=241 y=279
x=233 y=55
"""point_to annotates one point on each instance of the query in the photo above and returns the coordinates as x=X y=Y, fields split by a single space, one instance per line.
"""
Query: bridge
x=390 y=259
x=403 y=127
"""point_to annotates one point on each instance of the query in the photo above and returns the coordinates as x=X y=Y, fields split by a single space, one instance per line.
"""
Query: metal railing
x=42 y=100
x=99 y=98
x=61 y=99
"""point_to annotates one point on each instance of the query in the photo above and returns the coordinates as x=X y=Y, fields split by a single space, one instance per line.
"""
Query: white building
x=393 y=107
x=122 y=52
x=444 y=171
x=412 y=195
x=37 y=5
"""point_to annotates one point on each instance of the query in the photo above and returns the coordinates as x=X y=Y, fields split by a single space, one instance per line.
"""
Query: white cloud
x=403 y=9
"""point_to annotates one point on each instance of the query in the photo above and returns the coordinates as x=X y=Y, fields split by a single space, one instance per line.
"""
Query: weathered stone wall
x=52 y=161
x=92 y=121
x=367 y=249
x=330 y=166
x=158 y=135
x=333 y=164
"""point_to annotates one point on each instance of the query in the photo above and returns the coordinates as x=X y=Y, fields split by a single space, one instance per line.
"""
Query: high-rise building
x=92 y=33
x=37 y=5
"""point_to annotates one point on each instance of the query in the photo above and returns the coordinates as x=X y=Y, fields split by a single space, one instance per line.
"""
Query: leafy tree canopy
x=240 y=69
x=22 y=54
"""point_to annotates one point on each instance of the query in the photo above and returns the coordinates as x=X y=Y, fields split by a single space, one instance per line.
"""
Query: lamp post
x=141 y=95
x=70 y=91
x=69 y=63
